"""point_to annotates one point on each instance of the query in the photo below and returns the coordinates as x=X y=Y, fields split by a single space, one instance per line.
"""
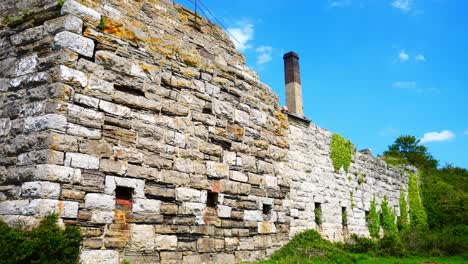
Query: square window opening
x=344 y=217
x=267 y=209
x=212 y=199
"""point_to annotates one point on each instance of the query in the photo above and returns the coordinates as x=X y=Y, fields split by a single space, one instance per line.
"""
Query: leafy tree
x=407 y=150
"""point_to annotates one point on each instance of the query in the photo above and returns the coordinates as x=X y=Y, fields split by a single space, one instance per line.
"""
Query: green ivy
x=344 y=219
x=341 y=152
x=388 y=219
x=102 y=23
x=403 y=219
x=418 y=216
x=47 y=243
x=373 y=220
x=351 y=198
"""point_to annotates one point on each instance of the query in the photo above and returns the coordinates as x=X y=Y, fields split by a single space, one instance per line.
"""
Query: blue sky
x=371 y=70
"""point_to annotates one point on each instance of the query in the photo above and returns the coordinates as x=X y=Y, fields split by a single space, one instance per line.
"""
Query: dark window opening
x=267 y=211
x=367 y=217
x=123 y=204
x=344 y=217
x=212 y=199
x=318 y=214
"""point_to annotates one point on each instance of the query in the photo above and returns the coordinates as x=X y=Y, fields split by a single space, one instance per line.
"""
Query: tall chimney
x=292 y=77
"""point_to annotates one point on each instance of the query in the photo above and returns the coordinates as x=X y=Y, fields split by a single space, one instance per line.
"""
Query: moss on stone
x=341 y=152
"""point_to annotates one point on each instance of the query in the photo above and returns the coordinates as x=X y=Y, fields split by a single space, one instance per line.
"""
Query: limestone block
x=146 y=206
x=188 y=195
x=86 y=100
x=83 y=161
x=71 y=76
x=114 y=109
x=64 y=23
x=29 y=79
x=217 y=170
x=81 y=11
x=241 y=117
x=40 y=123
x=112 y=166
x=85 y=116
x=81 y=131
x=163 y=242
x=231 y=243
x=253 y=215
x=5 y=126
x=229 y=158
x=28 y=36
x=75 y=42
x=100 y=88
x=99 y=256
x=224 y=258
x=192 y=208
x=43 y=207
x=238 y=176
x=224 y=211
x=102 y=217
x=40 y=189
x=266 y=227
x=205 y=244
x=27 y=64
x=69 y=209
x=99 y=201
x=15 y=207
x=271 y=181
x=142 y=238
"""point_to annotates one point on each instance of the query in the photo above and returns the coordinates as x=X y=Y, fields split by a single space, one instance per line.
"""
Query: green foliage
x=310 y=247
x=373 y=220
x=126 y=261
x=344 y=218
x=361 y=179
x=341 y=152
x=47 y=243
x=418 y=216
x=318 y=216
x=388 y=219
x=102 y=23
x=61 y=2
x=358 y=244
x=351 y=199
x=391 y=245
x=406 y=150
x=403 y=219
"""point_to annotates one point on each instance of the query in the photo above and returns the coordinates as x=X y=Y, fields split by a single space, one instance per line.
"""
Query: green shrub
x=391 y=245
x=47 y=243
x=359 y=244
x=318 y=216
x=388 y=218
x=373 y=220
x=341 y=152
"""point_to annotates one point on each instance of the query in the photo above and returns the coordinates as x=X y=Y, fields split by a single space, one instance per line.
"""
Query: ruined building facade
x=148 y=131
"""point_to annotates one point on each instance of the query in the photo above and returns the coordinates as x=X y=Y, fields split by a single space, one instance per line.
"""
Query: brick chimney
x=292 y=77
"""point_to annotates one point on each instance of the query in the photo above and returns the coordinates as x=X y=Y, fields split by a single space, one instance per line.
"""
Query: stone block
x=71 y=76
x=85 y=116
x=64 y=23
x=75 y=42
x=99 y=256
x=40 y=123
x=99 y=201
x=206 y=244
x=83 y=161
x=188 y=195
x=102 y=217
x=40 y=189
x=238 y=176
x=50 y=172
x=224 y=211
x=82 y=131
x=114 y=109
x=217 y=170
x=68 y=209
x=142 y=238
x=146 y=206
x=15 y=207
x=253 y=215
x=81 y=11
x=163 y=242
x=27 y=64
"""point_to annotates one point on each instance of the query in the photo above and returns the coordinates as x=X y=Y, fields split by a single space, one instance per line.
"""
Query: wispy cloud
x=389 y=130
x=338 y=3
x=264 y=54
x=403 y=5
x=405 y=85
x=403 y=56
x=437 y=136
x=243 y=33
x=420 y=58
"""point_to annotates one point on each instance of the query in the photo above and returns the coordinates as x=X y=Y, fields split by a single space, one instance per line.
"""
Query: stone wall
x=147 y=131
x=314 y=182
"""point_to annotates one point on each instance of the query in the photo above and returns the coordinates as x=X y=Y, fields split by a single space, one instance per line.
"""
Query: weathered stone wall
x=149 y=133
x=315 y=182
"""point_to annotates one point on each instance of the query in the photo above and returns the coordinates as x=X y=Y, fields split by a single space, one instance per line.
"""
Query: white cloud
x=403 y=5
x=420 y=57
x=403 y=56
x=264 y=54
x=340 y=3
x=405 y=85
x=437 y=136
x=243 y=33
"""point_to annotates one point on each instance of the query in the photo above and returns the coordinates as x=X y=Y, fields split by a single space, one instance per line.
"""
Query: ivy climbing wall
x=322 y=183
